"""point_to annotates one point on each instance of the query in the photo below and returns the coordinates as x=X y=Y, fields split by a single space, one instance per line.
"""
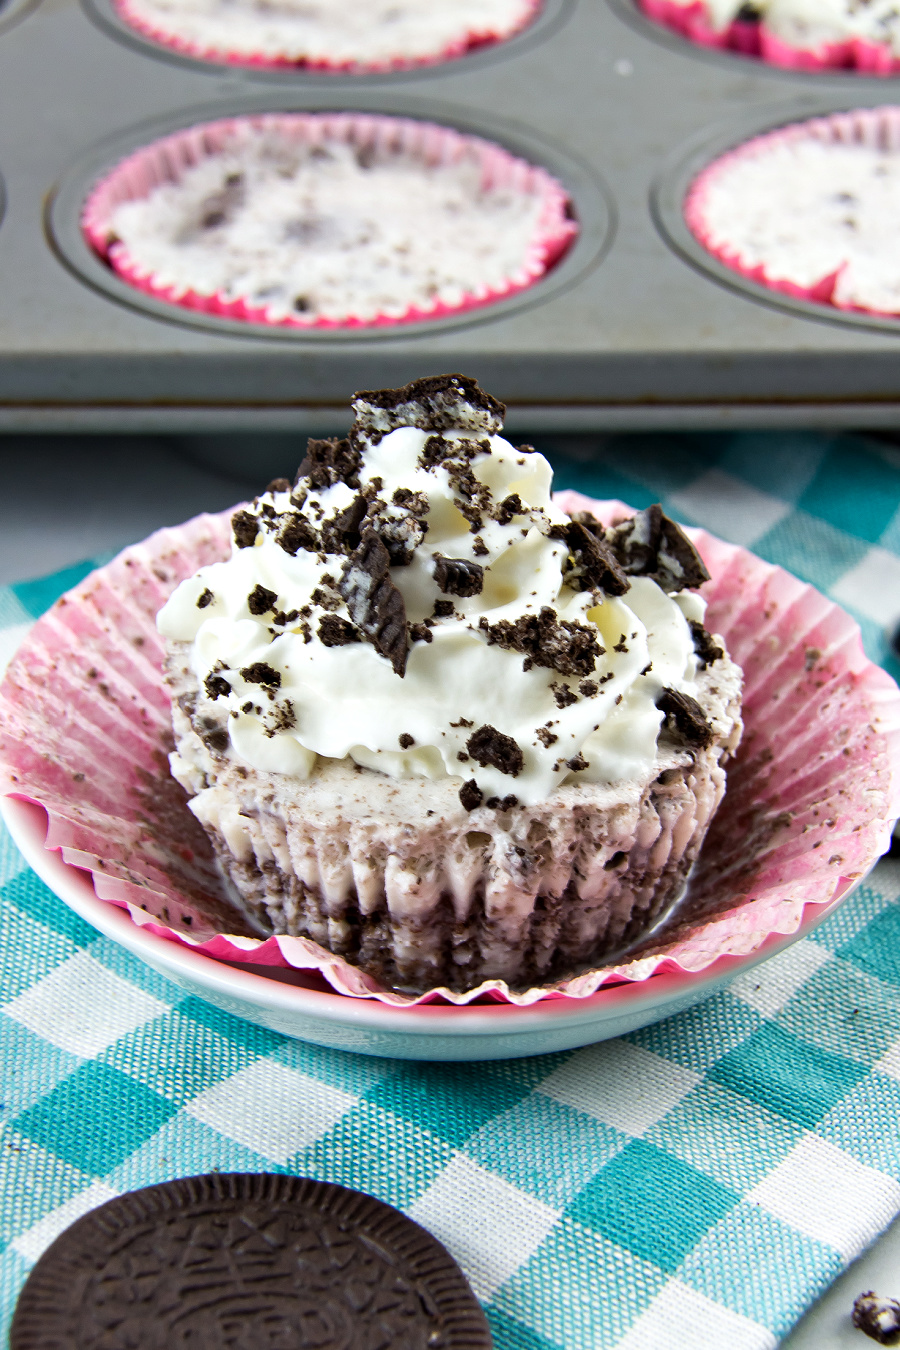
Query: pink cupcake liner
x=692 y=21
x=868 y=58
x=166 y=160
x=470 y=41
x=876 y=128
x=812 y=794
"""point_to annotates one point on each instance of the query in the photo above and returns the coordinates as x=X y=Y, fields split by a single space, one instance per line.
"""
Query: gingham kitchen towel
x=697 y=1183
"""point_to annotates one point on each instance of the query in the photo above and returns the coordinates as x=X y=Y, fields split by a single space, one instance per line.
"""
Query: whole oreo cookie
x=247 y=1262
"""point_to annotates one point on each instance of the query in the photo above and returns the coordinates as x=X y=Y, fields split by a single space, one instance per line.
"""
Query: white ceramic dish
x=284 y=1002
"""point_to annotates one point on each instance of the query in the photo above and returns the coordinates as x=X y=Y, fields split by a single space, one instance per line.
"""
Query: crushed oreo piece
x=406 y=740
x=416 y=502
x=877 y=1317
x=245 y=527
x=340 y=534
x=479 y=547
x=473 y=498
x=295 y=534
x=706 y=648
x=563 y=694
x=471 y=795
x=684 y=718
x=216 y=686
x=205 y=599
x=337 y=632
x=463 y=722
x=260 y=672
x=489 y=746
x=652 y=545
x=420 y=632
x=400 y=530
x=376 y=606
x=436 y=403
x=569 y=647
x=594 y=565
x=588 y=688
x=261 y=600
x=279 y=485
x=577 y=763
x=443 y=609
x=326 y=598
x=328 y=462
x=502 y=803
x=546 y=737
x=458 y=576
x=215 y=738
x=509 y=507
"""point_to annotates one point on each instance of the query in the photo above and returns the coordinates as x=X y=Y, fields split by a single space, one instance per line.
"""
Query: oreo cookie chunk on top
x=438 y=403
x=247 y=1260
x=649 y=544
x=375 y=605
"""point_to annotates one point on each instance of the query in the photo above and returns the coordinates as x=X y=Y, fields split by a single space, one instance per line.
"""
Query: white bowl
x=282 y=1001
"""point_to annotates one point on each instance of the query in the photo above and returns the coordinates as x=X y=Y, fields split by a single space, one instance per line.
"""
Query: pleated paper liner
x=872 y=128
x=811 y=797
x=166 y=160
x=266 y=55
x=750 y=38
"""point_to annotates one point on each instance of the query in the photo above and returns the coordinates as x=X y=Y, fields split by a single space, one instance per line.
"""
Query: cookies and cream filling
x=328 y=229
x=416 y=604
x=809 y=25
x=804 y=208
x=352 y=33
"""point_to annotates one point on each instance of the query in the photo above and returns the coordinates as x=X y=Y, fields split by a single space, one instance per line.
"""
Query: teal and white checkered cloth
x=695 y=1184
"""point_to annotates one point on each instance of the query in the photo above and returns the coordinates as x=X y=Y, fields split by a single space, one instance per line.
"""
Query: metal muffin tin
x=637 y=327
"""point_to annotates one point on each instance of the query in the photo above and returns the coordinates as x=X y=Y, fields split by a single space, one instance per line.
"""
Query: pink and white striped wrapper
x=878 y=128
x=812 y=794
x=757 y=39
x=467 y=42
x=166 y=160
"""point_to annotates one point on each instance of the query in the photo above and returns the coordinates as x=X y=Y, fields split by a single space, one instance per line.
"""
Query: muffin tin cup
x=875 y=128
x=467 y=42
x=812 y=794
x=167 y=160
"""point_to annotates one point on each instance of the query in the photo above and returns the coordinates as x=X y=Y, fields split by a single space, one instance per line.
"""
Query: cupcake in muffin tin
x=809 y=210
x=337 y=36
x=328 y=220
x=798 y=34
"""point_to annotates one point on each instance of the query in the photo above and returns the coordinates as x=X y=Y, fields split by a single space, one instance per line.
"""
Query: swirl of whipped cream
x=417 y=603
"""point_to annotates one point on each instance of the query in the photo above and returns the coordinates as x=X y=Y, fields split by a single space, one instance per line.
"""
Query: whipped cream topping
x=417 y=604
x=805 y=208
x=355 y=33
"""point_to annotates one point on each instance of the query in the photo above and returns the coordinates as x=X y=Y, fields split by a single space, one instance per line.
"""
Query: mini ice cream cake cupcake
x=801 y=34
x=343 y=36
x=809 y=210
x=325 y=220
x=436 y=724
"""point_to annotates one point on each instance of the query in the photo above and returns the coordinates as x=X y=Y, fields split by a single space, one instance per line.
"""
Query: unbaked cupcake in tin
x=810 y=210
x=337 y=36
x=798 y=34
x=324 y=220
